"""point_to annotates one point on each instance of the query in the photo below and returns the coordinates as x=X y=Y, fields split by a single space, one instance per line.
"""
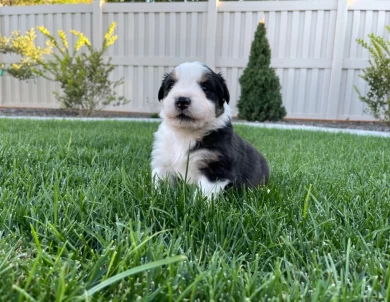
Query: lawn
x=77 y=210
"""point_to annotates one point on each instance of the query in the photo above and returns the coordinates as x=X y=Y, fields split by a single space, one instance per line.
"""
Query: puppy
x=195 y=140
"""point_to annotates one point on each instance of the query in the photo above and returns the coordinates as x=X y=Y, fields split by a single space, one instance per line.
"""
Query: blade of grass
x=132 y=271
x=23 y=292
x=190 y=287
x=306 y=204
x=36 y=239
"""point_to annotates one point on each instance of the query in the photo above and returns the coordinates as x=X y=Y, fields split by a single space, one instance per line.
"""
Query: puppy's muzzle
x=182 y=103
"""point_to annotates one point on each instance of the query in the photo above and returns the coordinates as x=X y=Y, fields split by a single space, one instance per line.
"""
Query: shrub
x=19 y=45
x=377 y=76
x=83 y=76
x=261 y=99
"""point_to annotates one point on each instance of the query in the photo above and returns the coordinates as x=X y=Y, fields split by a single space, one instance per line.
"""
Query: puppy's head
x=193 y=96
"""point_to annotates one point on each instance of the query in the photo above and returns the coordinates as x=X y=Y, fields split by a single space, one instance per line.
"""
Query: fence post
x=97 y=23
x=337 y=60
x=211 y=34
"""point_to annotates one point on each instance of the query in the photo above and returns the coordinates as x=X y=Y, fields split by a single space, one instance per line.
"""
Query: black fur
x=166 y=85
x=213 y=85
x=238 y=162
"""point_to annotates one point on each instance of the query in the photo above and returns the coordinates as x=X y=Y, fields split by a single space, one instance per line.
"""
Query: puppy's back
x=238 y=161
x=250 y=167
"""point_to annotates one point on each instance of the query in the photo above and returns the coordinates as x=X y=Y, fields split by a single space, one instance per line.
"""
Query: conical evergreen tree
x=261 y=99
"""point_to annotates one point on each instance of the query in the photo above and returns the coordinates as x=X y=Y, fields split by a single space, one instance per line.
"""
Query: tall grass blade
x=133 y=271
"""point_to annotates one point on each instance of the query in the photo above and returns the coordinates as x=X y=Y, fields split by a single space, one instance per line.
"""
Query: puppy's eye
x=204 y=88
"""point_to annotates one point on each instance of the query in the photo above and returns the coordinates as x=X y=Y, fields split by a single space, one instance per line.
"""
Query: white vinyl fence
x=314 y=49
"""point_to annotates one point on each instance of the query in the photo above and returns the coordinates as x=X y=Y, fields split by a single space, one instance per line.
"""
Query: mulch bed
x=372 y=126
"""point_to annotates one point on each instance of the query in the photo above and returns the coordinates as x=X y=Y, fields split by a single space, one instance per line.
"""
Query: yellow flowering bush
x=83 y=76
x=25 y=46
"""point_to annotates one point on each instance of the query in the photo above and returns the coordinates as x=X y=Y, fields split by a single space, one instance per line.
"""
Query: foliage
x=77 y=208
x=377 y=76
x=261 y=99
x=84 y=76
x=40 y=2
x=19 y=45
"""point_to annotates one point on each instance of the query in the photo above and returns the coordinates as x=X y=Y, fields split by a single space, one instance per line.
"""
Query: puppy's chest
x=177 y=156
x=181 y=160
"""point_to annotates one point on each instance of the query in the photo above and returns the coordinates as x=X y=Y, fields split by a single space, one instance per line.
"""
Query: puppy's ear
x=162 y=89
x=161 y=92
x=225 y=90
x=166 y=85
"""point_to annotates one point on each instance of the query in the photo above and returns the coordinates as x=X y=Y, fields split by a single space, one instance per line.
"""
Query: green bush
x=83 y=76
x=261 y=99
x=377 y=76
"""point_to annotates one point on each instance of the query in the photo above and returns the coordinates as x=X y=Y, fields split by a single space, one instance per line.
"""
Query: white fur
x=201 y=109
x=211 y=189
x=174 y=138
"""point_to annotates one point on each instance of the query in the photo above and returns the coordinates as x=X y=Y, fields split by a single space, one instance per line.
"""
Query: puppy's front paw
x=157 y=180
x=211 y=190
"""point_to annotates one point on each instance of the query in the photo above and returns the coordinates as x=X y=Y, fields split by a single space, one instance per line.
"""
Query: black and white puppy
x=196 y=139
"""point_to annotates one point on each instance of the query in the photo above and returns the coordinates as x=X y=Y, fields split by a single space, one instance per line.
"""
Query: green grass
x=79 y=219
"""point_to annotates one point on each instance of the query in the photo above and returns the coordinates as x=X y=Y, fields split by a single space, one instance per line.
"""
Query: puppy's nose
x=183 y=102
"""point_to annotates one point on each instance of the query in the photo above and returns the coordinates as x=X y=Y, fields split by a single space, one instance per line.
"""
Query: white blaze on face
x=201 y=110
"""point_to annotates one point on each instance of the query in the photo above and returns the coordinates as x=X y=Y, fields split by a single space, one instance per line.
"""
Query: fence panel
x=301 y=36
x=317 y=68
x=364 y=17
x=153 y=39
